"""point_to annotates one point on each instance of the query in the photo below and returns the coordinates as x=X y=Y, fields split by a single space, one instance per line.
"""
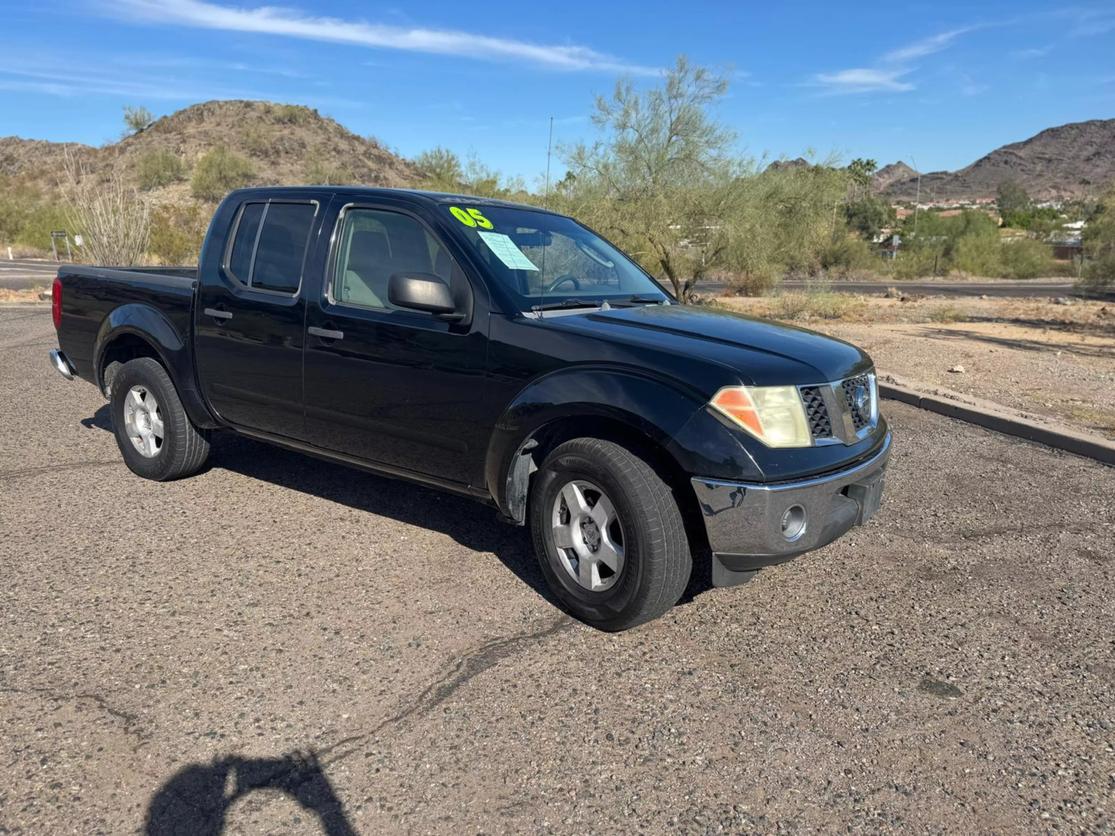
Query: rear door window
x=282 y=246
x=269 y=246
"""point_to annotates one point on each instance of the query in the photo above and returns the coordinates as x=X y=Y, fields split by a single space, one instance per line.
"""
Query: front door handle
x=217 y=314
x=325 y=333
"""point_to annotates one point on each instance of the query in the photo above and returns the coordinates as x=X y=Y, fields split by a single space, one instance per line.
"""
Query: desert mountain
x=283 y=144
x=1069 y=161
x=890 y=174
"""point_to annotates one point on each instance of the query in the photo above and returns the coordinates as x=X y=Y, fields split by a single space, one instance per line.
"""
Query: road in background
x=284 y=645
x=25 y=274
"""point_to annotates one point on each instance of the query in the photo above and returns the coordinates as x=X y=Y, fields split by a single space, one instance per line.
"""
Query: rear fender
x=150 y=325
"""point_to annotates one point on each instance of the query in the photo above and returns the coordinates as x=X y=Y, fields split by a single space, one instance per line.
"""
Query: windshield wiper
x=637 y=299
x=565 y=303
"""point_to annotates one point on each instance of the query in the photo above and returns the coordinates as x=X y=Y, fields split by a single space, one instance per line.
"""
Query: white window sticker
x=506 y=250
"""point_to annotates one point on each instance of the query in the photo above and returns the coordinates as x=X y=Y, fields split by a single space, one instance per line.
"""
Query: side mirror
x=421 y=292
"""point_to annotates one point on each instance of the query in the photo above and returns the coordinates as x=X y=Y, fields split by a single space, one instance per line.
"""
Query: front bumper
x=750 y=525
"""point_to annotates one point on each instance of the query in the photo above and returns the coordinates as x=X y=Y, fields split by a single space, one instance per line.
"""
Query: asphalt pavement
x=25 y=274
x=284 y=645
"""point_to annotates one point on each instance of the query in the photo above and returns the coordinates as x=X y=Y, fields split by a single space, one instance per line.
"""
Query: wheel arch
x=637 y=412
x=139 y=330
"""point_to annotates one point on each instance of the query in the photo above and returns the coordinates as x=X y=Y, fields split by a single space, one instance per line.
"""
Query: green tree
x=861 y=170
x=441 y=170
x=136 y=119
x=218 y=172
x=868 y=216
x=1099 y=246
x=1013 y=202
x=659 y=180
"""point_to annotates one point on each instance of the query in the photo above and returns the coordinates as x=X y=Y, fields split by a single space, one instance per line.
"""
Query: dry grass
x=18 y=297
x=1078 y=315
x=949 y=312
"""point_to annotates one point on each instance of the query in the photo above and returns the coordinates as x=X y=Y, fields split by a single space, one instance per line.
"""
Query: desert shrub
x=948 y=312
x=816 y=303
x=254 y=140
x=1099 y=247
x=159 y=168
x=177 y=233
x=136 y=119
x=978 y=254
x=109 y=212
x=326 y=174
x=848 y=255
x=756 y=282
x=219 y=172
x=39 y=221
x=290 y=114
x=1026 y=259
x=914 y=263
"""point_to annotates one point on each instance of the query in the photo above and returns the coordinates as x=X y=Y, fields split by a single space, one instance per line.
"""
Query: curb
x=994 y=417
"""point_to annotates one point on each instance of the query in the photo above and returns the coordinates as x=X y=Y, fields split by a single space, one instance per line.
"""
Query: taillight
x=56 y=303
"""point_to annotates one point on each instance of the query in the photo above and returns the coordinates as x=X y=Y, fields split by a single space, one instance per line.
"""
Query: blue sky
x=938 y=84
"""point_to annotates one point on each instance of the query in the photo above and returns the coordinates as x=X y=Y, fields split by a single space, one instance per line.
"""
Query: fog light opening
x=793 y=523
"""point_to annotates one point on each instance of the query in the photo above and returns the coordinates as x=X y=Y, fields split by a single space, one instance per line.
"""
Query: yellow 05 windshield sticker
x=471 y=217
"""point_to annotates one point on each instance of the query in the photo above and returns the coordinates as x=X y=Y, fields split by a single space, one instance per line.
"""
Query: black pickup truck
x=500 y=351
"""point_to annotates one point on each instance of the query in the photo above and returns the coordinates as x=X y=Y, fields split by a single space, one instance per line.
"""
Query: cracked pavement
x=283 y=645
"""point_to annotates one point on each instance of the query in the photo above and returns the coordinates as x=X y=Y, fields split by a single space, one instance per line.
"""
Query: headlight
x=773 y=414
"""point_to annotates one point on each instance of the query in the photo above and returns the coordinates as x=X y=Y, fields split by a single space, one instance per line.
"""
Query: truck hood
x=761 y=353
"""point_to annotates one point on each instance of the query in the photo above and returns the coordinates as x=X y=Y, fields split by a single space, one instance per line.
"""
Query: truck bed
x=92 y=293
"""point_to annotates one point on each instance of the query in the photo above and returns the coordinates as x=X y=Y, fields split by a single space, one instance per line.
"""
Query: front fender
x=657 y=409
x=154 y=328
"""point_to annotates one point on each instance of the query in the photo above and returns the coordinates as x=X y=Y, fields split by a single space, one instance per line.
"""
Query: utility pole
x=917 y=197
x=549 y=151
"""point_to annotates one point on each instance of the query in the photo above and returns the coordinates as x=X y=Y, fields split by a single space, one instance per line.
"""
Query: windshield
x=550 y=261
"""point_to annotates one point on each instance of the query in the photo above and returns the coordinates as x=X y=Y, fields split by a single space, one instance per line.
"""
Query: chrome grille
x=816 y=413
x=841 y=411
x=861 y=414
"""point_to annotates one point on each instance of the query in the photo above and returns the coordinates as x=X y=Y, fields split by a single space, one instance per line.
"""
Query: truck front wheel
x=608 y=534
x=152 y=429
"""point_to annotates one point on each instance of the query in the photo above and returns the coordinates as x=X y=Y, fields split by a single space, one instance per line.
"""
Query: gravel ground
x=281 y=645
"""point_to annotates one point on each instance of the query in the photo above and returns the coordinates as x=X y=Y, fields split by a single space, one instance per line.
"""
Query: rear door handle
x=325 y=333
x=216 y=314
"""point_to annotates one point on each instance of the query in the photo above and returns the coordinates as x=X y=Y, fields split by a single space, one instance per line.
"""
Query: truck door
x=392 y=386
x=250 y=317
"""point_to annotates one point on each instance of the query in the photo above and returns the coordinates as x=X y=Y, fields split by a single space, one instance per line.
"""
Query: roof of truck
x=377 y=191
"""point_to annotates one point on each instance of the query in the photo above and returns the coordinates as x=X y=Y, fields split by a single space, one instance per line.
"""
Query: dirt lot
x=1051 y=361
x=285 y=646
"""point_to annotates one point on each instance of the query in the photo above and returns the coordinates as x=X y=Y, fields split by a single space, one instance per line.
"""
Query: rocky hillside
x=888 y=175
x=1068 y=161
x=283 y=144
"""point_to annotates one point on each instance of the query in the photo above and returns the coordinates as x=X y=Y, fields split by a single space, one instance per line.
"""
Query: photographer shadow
x=198 y=798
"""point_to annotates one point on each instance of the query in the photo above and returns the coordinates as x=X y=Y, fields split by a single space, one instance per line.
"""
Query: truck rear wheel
x=152 y=429
x=608 y=535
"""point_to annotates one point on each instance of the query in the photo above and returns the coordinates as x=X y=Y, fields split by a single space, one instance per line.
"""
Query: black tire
x=656 y=559
x=183 y=449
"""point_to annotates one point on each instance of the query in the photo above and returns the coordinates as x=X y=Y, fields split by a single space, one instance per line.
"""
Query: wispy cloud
x=58 y=79
x=888 y=75
x=926 y=46
x=1033 y=52
x=864 y=80
x=272 y=20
